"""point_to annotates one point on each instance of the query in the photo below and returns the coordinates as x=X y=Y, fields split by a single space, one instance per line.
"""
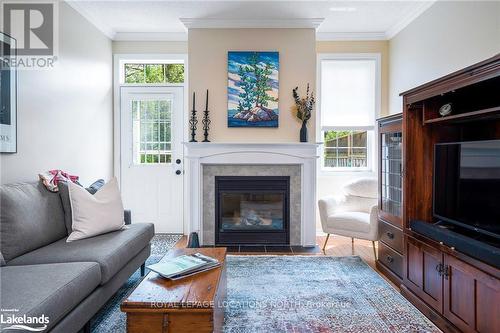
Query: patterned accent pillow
x=95 y=186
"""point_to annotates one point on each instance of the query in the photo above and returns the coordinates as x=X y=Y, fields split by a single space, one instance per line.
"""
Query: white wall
x=447 y=37
x=65 y=113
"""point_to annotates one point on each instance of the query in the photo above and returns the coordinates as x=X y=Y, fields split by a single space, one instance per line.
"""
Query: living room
x=340 y=161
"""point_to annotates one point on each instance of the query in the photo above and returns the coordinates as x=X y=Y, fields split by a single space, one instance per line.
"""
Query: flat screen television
x=467 y=185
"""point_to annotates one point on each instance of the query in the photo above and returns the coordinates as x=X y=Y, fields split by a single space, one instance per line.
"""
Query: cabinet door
x=422 y=272
x=471 y=297
x=391 y=181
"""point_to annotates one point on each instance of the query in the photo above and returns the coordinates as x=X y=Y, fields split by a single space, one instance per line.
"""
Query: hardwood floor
x=337 y=246
x=340 y=246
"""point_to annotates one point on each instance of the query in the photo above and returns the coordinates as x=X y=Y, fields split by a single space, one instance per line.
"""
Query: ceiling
x=335 y=20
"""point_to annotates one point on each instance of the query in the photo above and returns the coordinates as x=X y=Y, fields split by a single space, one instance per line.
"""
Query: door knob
x=178 y=172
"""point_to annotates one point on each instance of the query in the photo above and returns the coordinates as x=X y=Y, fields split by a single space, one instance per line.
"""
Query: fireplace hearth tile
x=233 y=249
x=247 y=248
x=278 y=249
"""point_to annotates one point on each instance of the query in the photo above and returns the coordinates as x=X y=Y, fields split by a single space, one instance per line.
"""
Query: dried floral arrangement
x=304 y=105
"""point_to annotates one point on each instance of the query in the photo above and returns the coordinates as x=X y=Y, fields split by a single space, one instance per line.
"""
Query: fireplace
x=252 y=210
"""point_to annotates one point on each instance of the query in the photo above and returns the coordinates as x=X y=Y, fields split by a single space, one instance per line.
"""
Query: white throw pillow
x=363 y=187
x=96 y=214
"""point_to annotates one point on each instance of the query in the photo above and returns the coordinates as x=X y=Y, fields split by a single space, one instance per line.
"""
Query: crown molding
x=101 y=26
x=217 y=23
x=410 y=17
x=151 y=36
x=350 y=36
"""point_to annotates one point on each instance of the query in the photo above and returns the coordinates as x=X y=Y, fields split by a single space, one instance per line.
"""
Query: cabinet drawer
x=391 y=235
x=391 y=259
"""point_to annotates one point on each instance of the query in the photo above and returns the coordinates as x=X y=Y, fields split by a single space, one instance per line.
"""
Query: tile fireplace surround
x=296 y=160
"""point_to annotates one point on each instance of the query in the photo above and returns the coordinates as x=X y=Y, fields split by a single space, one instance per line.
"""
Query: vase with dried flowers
x=304 y=110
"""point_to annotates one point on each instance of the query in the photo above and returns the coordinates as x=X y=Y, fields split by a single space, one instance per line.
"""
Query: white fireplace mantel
x=304 y=154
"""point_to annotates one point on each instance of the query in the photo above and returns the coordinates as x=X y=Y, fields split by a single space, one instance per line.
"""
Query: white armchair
x=353 y=214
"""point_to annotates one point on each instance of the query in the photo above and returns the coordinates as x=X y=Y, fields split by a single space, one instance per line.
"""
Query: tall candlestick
x=206 y=102
x=193 y=121
x=206 y=121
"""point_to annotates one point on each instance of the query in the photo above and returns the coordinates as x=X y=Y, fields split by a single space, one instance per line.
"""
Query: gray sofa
x=43 y=274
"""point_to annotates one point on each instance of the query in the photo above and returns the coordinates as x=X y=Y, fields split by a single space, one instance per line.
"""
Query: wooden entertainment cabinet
x=457 y=292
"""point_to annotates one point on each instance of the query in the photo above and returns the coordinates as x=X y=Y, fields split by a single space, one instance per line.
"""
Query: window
x=152 y=131
x=345 y=149
x=348 y=105
x=153 y=73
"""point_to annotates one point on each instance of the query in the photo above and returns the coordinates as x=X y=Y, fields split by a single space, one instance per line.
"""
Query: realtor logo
x=33 y=24
x=17 y=322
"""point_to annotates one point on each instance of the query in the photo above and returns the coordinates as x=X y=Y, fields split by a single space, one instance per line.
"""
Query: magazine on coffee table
x=183 y=266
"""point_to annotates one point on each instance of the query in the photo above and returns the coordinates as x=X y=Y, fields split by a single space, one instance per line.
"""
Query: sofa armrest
x=127 y=216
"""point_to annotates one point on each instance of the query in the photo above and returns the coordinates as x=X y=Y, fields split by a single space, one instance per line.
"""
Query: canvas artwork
x=252 y=89
x=8 y=139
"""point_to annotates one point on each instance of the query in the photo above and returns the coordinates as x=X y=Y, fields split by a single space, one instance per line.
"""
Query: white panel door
x=151 y=155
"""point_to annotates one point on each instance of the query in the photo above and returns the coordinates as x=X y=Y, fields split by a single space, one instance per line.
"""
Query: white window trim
x=371 y=138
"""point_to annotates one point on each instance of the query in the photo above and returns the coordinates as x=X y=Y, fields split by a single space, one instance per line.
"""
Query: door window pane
x=154 y=73
x=151 y=126
x=391 y=178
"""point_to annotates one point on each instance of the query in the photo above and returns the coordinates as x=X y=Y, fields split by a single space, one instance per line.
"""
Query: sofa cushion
x=112 y=250
x=31 y=217
x=52 y=290
x=352 y=221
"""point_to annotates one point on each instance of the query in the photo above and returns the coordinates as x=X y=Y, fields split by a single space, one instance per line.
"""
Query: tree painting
x=253 y=89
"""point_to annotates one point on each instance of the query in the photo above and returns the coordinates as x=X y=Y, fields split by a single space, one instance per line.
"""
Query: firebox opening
x=252 y=210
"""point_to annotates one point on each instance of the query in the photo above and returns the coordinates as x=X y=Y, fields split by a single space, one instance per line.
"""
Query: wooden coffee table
x=192 y=304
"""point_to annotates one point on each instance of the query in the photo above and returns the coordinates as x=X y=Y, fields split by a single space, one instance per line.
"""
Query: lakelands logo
x=24 y=322
x=33 y=24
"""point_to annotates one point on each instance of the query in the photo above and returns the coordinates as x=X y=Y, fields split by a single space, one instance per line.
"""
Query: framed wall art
x=8 y=93
x=252 y=89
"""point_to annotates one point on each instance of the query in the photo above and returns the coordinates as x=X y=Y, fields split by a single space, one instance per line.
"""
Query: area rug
x=314 y=294
x=296 y=294
x=110 y=319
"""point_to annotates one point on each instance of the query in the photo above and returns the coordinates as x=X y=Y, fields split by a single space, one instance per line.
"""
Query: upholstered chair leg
x=352 y=246
x=374 y=250
x=326 y=241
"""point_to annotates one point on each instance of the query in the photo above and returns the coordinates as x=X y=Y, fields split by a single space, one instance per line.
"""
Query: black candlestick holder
x=206 y=121
x=193 y=121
